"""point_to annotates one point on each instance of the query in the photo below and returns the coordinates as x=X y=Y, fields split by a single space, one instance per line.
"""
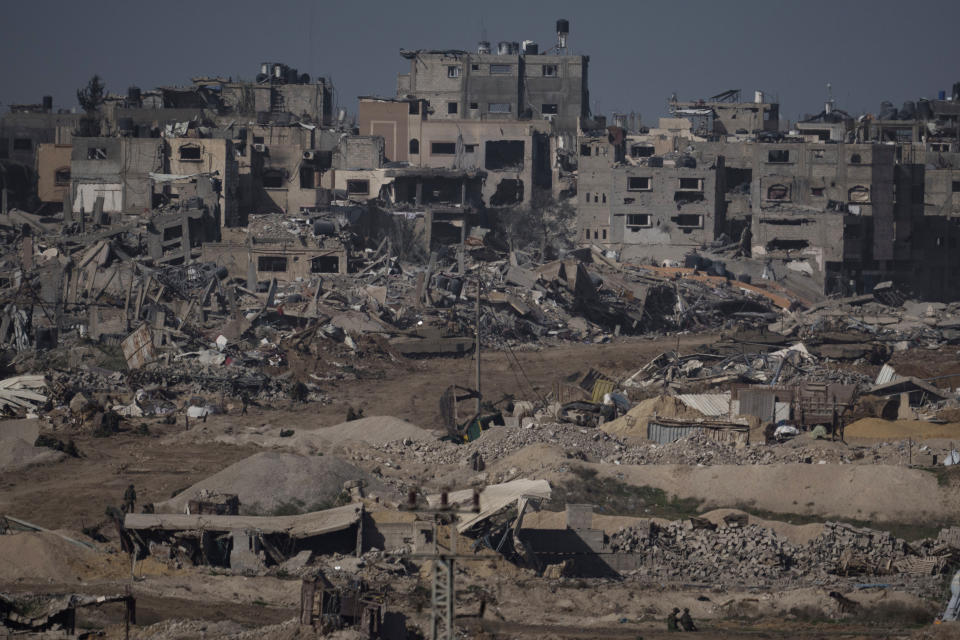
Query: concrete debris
x=730 y=554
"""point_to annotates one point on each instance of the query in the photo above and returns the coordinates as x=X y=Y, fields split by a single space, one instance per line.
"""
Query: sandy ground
x=875 y=493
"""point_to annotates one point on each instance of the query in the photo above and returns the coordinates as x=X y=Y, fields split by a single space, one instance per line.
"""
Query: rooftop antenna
x=828 y=107
x=483 y=30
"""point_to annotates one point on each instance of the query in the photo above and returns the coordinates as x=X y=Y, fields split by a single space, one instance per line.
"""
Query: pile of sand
x=374 y=430
x=900 y=429
x=634 y=423
x=46 y=557
x=16 y=454
x=269 y=481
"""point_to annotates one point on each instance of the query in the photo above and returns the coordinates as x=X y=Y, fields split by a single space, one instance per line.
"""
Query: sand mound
x=269 y=481
x=901 y=429
x=17 y=454
x=375 y=430
x=46 y=557
x=634 y=423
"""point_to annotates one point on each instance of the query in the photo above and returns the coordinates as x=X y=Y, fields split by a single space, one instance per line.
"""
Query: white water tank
x=758 y=96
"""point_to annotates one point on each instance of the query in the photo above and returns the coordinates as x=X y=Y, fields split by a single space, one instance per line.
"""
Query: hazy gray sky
x=640 y=52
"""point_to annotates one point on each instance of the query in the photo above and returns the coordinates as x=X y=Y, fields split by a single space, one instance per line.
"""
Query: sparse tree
x=92 y=96
x=545 y=224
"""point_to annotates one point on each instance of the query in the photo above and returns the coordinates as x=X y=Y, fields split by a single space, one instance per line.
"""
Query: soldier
x=245 y=400
x=672 y=620
x=686 y=621
x=129 y=499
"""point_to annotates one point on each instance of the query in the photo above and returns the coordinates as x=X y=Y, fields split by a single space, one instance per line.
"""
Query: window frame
x=269 y=264
x=698 y=225
x=445 y=145
x=774 y=155
x=630 y=183
x=57 y=180
x=191 y=148
x=363 y=191
x=631 y=224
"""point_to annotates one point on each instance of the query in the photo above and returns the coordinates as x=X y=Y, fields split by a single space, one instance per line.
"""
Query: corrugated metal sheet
x=663 y=431
x=709 y=404
x=600 y=389
x=887 y=374
x=663 y=434
x=138 y=347
x=759 y=403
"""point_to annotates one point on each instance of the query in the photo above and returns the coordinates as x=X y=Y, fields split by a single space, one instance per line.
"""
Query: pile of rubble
x=595 y=445
x=730 y=553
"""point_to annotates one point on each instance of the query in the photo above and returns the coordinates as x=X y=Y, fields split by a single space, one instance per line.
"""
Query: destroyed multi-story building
x=23 y=131
x=514 y=154
x=513 y=81
x=727 y=114
x=116 y=172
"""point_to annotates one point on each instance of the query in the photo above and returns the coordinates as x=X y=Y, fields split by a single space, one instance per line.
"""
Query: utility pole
x=477 y=346
x=443 y=591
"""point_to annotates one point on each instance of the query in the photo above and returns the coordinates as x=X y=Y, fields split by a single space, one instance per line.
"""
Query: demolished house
x=246 y=543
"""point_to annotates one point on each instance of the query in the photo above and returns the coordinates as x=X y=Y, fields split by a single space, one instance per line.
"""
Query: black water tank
x=563 y=25
x=133 y=96
x=324 y=228
x=654 y=161
x=304 y=78
x=48 y=103
x=125 y=125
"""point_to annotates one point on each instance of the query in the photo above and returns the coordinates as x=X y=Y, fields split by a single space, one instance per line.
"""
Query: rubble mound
x=375 y=430
x=272 y=483
x=634 y=423
x=753 y=554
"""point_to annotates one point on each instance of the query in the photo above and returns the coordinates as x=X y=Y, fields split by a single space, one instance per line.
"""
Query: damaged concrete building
x=515 y=154
x=646 y=201
x=727 y=114
x=512 y=81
